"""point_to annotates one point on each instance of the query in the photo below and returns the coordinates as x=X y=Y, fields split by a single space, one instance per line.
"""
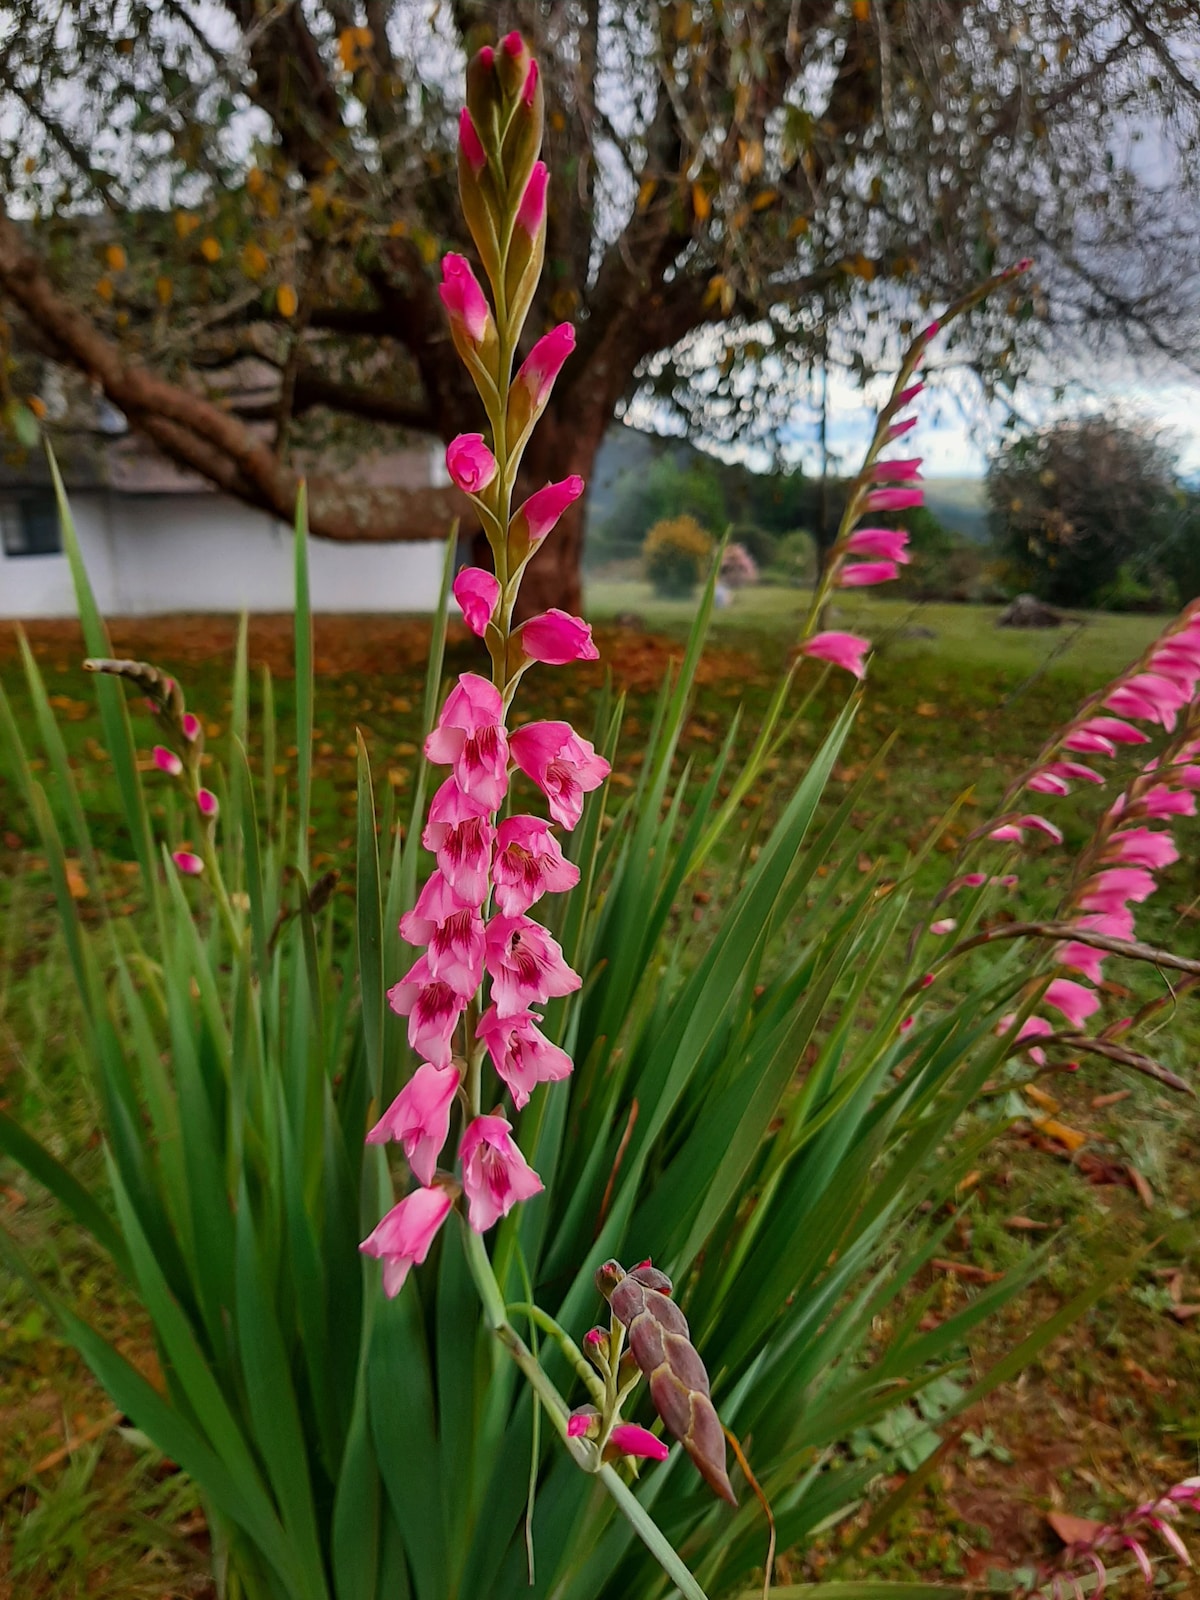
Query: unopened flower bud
x=470 y=144
x=608 y=1276
x=167 y=761
x=631 y=1440
x=188 y=862
x=583 y=1423
x=470 y=463
x=190 y=724
x=207 y=804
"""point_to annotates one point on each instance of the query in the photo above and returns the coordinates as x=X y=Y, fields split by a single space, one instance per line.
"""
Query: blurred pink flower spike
x=1110 y=889
x=470 y=463
x=858 y=574
x=1075 y=1000
x=846 y=650
x=631 y=1440
x=1047 y=782
x=583 y=1423
x=207 y=804
x=564 y=766
x=476 y=592
x=893 y=499
x=188 y=862
x=167 y=761
x=1149 y=697
x=1162 y=801
x=495 y=1173
x=419 y=1118
x=402 y=1239
x=1116 y=729
x=556 y=638
x=190 y=724
x=465 y=302
x=545 y=361
x=891 y=543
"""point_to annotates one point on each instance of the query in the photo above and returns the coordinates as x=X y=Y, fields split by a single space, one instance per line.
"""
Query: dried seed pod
x=661 y=1344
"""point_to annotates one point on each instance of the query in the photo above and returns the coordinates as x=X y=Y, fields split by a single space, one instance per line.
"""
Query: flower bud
x=207 y=804
x=167 y=761
x=523 y=136
x=527 y=248
x=532 y=385
x=483 y=93
x=188 y=862
x=470 y=144
x=190 y=724
x=608 y=1276
x=476 y=592
x=539 y=514
x=583 y=1423
x=470 y=463
x=631 y=1440
x=556 y=638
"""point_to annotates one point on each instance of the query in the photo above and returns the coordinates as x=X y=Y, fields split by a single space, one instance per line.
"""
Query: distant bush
x=675 y=556
x=794 y=560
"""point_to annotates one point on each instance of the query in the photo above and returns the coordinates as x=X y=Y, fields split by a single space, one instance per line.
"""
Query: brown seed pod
x=660 y=1342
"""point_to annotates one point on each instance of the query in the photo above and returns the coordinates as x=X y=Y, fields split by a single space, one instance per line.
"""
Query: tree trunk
x=559 y=447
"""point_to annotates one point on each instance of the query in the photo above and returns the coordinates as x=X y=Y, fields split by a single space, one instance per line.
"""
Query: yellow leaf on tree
x=767 y=198
x=38 y=406
x=185 y=223
x=353 y=43
x=683 y=20
x=646 y=193
x=398 y=229
x=163 y=291
x=862 y=10
x=115 y=258
x=750 y=158
x=701 y=204
x=105 y=288
x=287 y=300
x=210 y=248
x=797 y=226
x=254 y=259
x=256 y=180
x=713 y=293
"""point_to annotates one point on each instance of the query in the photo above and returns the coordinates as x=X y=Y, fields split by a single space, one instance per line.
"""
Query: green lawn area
x=1111 y=1413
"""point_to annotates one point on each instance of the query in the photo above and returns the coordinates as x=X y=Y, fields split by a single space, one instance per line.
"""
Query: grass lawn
x=1112 y=1412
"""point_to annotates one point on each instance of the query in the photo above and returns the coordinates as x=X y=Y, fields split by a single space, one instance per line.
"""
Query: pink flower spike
x=858 y=574
x=1148 y=696
x=402 y=1239
x=1113 y=728
x=521 y=1054
x=891 y=543
x=1163 y=801
x=528 y=864
x=545 y=361
x=1084 y=958
x=419 y=1118
x=167 y=761
x=470 y=143
x=188 y=862
x=556 y=638
x=1041 y=825
x=460 y=835
x=896 y=471
x=1074 y=1000
x=470 y=463
x=207 y=804
x=190 y=724
x=845 y=650
x=893 y=499
x=531 y=213
x=564 y=766
x=432 y=1008
x=1142 y=847
x=631 y=1440
x=495 y=1173
x=545 y=506
x=470 y=737
x=526 y=965
x=462 y=297
x=476 y=592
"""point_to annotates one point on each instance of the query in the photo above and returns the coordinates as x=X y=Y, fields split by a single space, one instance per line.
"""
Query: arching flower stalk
x=1084 y=1567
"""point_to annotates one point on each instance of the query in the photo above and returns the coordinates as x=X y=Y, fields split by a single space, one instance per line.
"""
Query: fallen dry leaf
x=1103 y=1100
x=1040 y=1098
x=1144 y=1192
x=1071 y=1138
x=1073 y=1530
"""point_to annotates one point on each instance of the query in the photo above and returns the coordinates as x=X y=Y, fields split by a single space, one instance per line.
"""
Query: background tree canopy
x=739 y=190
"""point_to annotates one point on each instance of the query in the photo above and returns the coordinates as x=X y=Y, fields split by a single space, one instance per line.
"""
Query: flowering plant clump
x=368 y=1263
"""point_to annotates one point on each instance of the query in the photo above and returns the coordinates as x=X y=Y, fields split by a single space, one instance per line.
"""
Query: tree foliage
x=230 y=217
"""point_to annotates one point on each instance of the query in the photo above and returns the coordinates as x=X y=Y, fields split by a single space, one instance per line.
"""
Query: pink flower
x=190 y=724
x=1114 y=729
x=436 y=901
x=207 y=804
x=495 y=1173
x=1075 y=1000
x=564 y=766
x=403 y=1238
x=1089 y=744
x=545 y=361
x=888 y=542
x=1109 y=890
x=528 y=864
x=167 y=761
x=470 y=737
x=556 y=638
x=631 y=1440
x=476 y=592
x=1118 y=923
x=860 y=573
x=943 y=925
x=1047 y=782
x=1084 y=958
x=1163 y=801
x=1189 y=777
x=897 y=430
x=525 y=964
x=842 y=649
x=419 y=1118
x=893 y=499
x=1040 y=825
x=521 y=1053
x=470 y=463
x=896 y=471
x=432 y=1008
x=513 y=43
x=453 y=931
x=460 y=835
x=1057 y=772
x=907 y=396
x=1007 y=833
x=1149 y=697
x=188 y=862
x=470 y=143
x=461 y=295
x=544 y=506
x=531 y=213
x=583 y=1422
x=1142 y=847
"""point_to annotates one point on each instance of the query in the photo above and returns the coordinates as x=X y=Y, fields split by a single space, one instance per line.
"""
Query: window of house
x=29 y=525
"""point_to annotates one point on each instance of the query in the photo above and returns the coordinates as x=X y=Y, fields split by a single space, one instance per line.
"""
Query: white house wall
x=149 y=555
